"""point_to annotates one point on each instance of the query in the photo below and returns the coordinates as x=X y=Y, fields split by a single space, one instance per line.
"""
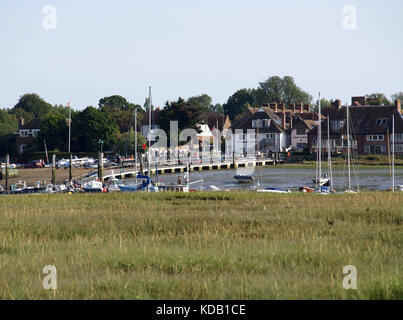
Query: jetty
x=126 y=172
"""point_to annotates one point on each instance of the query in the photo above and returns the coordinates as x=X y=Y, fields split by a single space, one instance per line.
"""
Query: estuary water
x=289 y=178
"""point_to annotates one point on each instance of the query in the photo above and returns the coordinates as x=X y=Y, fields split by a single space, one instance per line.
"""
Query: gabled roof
x=364 y=119
x=262 y=113
x=215 y=119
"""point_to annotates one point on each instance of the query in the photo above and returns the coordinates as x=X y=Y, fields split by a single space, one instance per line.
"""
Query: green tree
x=238 y=102
x=277 y=89
x=54 y=131
x=216 y=108
x=8 y=145
x=377 y=99
x=189 y=115
x=398 y=96
x=204 y=100
x=324 y=103
x=8 y=122
x=122 y=111
x=126 y=143
x=89 y=126
x=31 y=106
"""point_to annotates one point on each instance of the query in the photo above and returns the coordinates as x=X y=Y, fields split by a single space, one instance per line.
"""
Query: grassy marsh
x=237 y=245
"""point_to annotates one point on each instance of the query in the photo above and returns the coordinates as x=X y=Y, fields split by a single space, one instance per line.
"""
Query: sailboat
x=349 y=188
x=146 y=184
x=399 y=187
x=319 y=181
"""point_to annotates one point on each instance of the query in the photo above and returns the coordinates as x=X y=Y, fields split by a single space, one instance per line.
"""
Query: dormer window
x=381 y=122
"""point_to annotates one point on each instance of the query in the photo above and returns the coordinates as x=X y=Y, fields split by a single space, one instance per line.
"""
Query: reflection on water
x=291 y=178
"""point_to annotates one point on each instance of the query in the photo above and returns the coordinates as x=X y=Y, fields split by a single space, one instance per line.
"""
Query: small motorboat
x=273 y=190
x=325 y=181
x=243 y=178
x=93 y=186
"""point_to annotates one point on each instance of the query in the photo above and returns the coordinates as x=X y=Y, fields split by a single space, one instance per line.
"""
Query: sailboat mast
x=69 y=126
x=319 y=142
x=329 y=155
x=348 y=148
x=393 y=153
x=149 y=133
x=135 y=142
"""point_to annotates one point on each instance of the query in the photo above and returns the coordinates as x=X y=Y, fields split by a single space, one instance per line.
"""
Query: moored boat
x=243 y=178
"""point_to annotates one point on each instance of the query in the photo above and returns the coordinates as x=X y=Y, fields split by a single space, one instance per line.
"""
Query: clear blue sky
x=190 y=47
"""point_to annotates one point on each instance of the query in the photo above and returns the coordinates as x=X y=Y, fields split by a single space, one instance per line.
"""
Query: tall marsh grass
x=237 y=245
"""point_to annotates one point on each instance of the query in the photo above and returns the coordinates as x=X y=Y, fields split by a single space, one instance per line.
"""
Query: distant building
x=27 y=134
x=278 y=127
x=371 y=127
x=216 y=120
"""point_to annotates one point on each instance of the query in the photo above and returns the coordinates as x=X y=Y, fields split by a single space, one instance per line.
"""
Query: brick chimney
x=273 y=106
x=300 y=107
x=398 y=105
x=20 y=122
x=307 y=107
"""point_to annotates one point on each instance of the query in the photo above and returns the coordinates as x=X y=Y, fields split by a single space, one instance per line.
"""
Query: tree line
x=112 y=121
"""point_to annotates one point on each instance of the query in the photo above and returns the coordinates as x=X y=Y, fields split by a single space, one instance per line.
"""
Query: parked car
x=34 y=164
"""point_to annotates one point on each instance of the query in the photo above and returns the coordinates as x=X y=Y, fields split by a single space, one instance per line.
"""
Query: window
x=253 y=123
x=337 y=124
x=35 y=132
x=399 y=148
x=375 y=137
x=398 y=136
x=381 y=122
x=24 y=133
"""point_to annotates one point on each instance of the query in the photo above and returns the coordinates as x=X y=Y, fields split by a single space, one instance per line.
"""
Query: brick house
x=26 y=135
x=371 y=128
x=277 y=125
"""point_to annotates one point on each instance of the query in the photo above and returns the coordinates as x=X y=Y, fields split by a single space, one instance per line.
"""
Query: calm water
x=291 y=178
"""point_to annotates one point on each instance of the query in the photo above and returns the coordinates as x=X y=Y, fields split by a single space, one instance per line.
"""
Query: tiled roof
x=364 y=119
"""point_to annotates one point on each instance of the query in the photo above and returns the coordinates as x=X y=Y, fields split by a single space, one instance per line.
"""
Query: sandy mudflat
x=45 y=174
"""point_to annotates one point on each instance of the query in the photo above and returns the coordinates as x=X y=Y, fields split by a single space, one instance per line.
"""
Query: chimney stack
x=20 y=122
x=398 y=105
x=300 y=107
x=307 y=107
x=273 y=106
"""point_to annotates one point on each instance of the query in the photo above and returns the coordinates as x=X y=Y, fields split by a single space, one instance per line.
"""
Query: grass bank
x=237 y=245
